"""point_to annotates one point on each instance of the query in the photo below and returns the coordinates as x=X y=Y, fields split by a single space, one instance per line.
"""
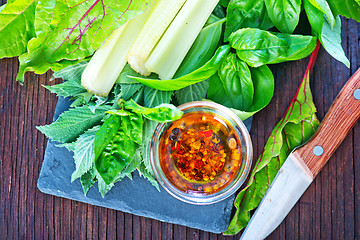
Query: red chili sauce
x=200 y=153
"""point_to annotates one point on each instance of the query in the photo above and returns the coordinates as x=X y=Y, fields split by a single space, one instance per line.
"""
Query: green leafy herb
x=194 y=92
x=347 y=8
x=72 y=123
x=284 y=14
x=329 y=36
x=296 y=127
x=258 y=47
x=84 y=153
x=16 y=27
x=201 y=74
x=263 y=81
x=235 y=76
x=246 y=14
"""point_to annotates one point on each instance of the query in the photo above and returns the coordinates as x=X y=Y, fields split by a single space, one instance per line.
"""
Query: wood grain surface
x=329 y=209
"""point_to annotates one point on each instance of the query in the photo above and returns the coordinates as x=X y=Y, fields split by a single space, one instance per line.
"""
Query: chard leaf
x=284 y=14
x=84 y=153
x=244 y=13
x=235 y=76
x=16 y=27
x=73 y=123
x=199 y=75
x=294 y=129
x=76 y=30
x=194 y=92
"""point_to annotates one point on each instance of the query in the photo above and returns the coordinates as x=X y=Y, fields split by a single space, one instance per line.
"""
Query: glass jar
x=205 y=156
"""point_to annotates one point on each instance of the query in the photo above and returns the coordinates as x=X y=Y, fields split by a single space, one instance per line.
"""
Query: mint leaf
x=84 y=153
x=88 y=180
x=72 y=123
x=295 y=128
x=148 y=175
x=16 y=27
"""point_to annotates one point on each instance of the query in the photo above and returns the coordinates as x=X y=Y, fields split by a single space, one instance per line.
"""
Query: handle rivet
x=357 y=94
x=318 y=150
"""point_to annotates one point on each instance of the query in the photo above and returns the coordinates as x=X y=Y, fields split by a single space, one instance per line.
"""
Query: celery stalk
x=108 y=61
x=158 y=21
x=178 y=38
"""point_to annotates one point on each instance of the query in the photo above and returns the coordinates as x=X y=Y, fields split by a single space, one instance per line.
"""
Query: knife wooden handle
x=338 y=121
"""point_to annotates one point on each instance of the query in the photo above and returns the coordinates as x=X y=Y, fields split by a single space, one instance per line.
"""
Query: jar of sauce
x=205 y=156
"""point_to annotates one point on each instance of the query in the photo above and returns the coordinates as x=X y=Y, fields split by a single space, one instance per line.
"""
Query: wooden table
x=330 y=208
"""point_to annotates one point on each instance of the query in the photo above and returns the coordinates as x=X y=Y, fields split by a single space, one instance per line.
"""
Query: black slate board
x=137 y=197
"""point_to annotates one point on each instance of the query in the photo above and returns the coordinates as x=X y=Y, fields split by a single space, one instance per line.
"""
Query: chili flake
x=201 y=153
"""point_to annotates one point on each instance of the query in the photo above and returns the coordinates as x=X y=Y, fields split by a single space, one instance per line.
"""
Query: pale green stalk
x=178 y=38
x=158 y=21
x=107 y=63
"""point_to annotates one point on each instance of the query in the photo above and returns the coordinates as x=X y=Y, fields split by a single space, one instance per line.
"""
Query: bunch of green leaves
x=56 y=33
x=284 y=16
x=297 y=125
x=109 y=136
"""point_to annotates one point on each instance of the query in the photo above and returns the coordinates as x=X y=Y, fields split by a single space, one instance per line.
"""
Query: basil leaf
x=115 y=156
x=161 y=113
x=203 y=48
x=257 y=47
x=201 y=74
x=329 y=38
x=299 y=47
x=295 y=128
x=324 y=7
x=244 y=13
x=347 y=8
x=236 y=79
x=132 y=125
x=106 y=133
x=263 y=81
x=284 y=14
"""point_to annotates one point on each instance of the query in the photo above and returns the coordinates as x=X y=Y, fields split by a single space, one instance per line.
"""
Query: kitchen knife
x=305 y=162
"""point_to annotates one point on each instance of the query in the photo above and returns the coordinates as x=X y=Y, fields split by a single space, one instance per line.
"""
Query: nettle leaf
x=84 y=154
x=88 y=180
x=195 y=92
x=295 y=128
x=284 y=14
x=16 y=27
x=148 y=175
x=244 y=13
x=78 y=28
x=72 y=123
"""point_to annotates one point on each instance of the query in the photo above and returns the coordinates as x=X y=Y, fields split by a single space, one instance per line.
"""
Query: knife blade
x=305 y=162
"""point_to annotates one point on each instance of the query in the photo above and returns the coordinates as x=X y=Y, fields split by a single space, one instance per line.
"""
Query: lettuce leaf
x=297 y=125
